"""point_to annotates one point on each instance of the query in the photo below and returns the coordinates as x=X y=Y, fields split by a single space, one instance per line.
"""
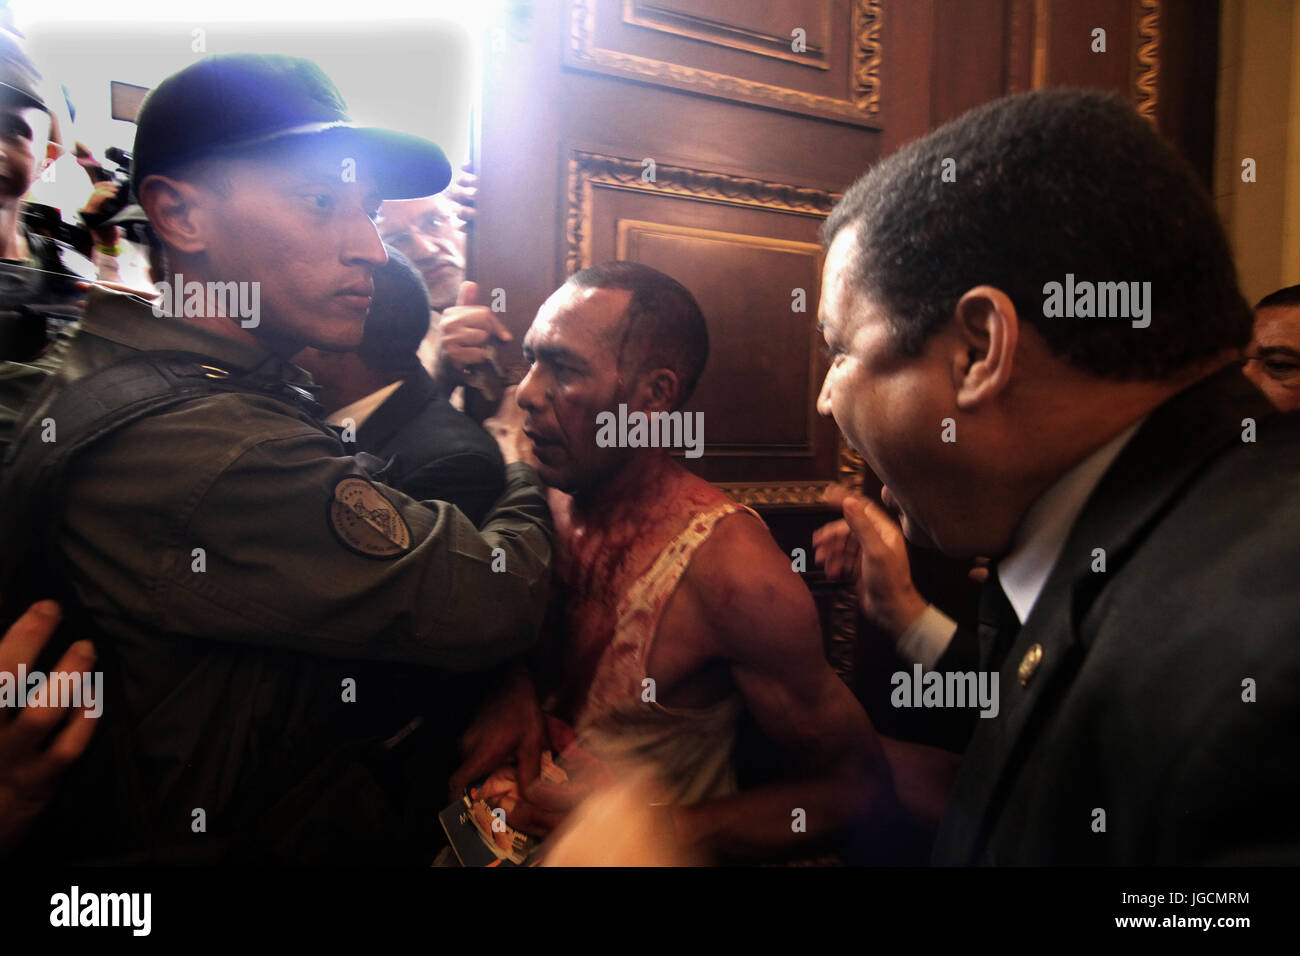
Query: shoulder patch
x=366 y=521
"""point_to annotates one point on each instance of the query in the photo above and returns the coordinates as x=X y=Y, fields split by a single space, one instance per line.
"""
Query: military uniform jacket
x=237 y=569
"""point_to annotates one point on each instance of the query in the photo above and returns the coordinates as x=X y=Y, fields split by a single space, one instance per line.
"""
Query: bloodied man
x=677 y=611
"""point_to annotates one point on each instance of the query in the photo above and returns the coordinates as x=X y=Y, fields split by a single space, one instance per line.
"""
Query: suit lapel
x=1163 y=457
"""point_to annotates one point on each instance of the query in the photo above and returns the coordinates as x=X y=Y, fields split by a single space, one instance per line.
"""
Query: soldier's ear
x=175 y=211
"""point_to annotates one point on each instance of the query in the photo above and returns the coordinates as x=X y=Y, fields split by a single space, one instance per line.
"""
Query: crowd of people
x=336 y=576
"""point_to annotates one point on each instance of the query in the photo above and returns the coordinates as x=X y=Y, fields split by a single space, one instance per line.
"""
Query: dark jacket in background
x=440 y=453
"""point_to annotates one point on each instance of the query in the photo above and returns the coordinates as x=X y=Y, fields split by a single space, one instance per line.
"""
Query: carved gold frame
x=863 y=108
x=1146 y=84
x=587 y=170
x=1148 y=57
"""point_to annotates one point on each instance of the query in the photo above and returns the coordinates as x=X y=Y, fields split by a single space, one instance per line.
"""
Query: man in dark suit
x=1036 y=338
x=384 y=401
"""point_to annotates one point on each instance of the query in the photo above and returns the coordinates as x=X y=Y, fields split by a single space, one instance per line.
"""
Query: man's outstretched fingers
x=885 y=590
x=24 y=640
x=869 y=522
x=835 y=548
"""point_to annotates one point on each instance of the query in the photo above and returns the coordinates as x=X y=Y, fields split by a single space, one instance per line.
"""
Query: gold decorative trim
x=1042 y=43
x=1148 y=57
x=863 y=108
x=768 y=493
x=866 y=60
x=842 y=650
x=852 y=470
x=588 y=170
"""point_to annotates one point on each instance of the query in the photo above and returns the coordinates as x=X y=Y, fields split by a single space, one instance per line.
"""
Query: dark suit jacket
x=1136 y=708
x=440 y=453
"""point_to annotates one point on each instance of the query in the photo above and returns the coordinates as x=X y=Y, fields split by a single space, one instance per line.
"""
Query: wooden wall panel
x=970 y=43
x=751 y=146
x=771 y=350
x=765 y=29
x=740 y=51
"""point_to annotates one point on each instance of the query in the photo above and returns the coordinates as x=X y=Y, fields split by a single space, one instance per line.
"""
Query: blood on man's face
x=572 y=348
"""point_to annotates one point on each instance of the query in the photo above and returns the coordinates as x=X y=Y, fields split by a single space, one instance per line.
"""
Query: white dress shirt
x=363 y=407
x=1036 y=546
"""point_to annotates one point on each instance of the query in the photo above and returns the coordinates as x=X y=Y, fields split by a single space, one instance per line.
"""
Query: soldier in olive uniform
x=263 y=605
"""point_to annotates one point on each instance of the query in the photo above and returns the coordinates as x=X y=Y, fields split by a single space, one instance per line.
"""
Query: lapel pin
x=1029 y=663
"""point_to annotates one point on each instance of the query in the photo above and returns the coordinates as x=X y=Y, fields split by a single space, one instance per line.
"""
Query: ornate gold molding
x=852 y=470
x=862 y=108
x=597 y=170
x=1148 y=70
x=767 y=493
x=1042 y=43
x=842 y=650
x=866 y=59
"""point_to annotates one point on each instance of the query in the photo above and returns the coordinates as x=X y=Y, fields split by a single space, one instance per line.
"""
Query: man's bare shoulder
x=745 y=587
x=693 y=493
x=740 y=553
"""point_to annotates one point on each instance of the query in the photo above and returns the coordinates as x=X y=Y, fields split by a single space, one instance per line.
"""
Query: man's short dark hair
x=663 y=326
x=1049 y=183
x=1286 y=298
x=399 y=316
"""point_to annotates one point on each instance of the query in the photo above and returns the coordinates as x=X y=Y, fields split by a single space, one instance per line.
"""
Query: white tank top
x=690 y=748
